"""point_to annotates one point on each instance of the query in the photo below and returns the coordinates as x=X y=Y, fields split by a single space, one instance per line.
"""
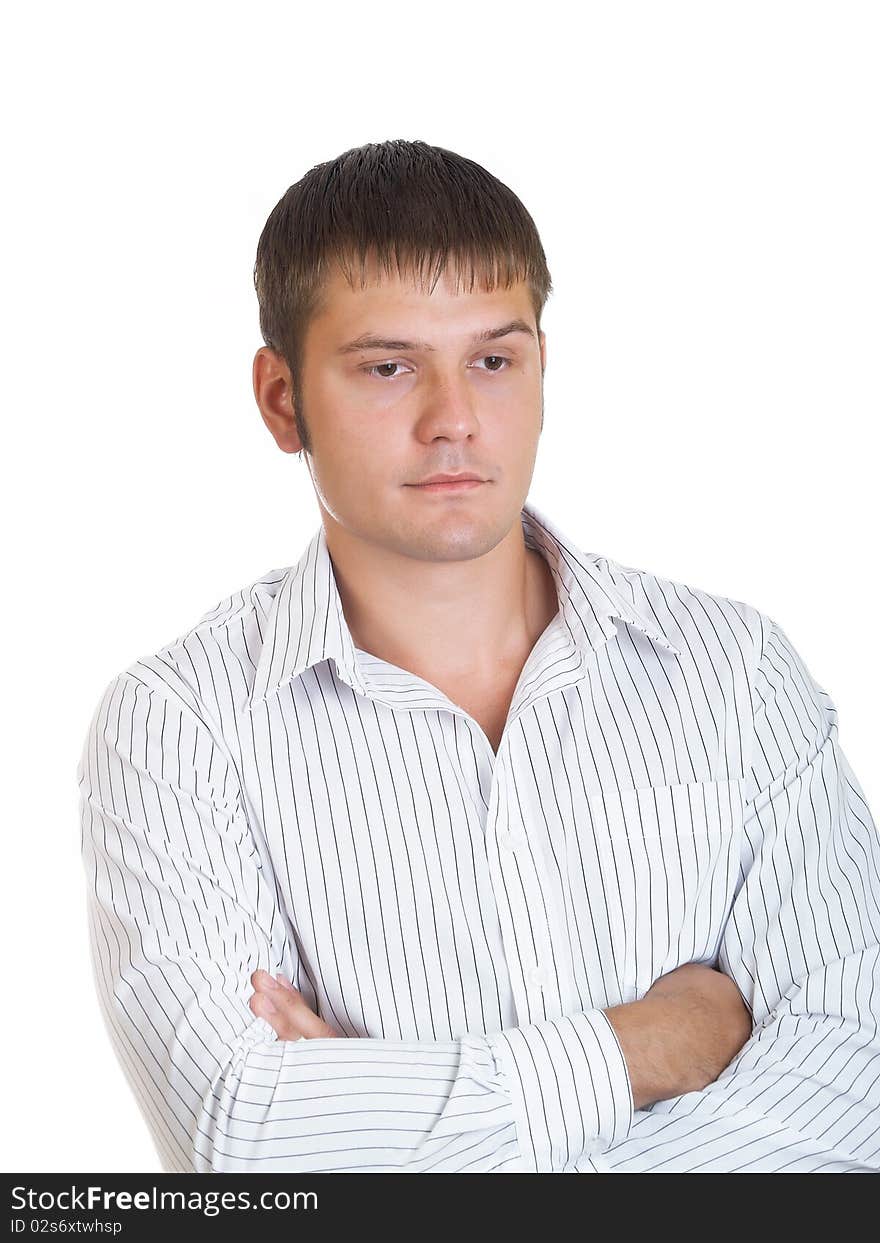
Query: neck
x=444 y=620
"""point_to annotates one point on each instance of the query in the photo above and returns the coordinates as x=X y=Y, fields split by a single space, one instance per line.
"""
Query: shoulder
x=208 y=667
x=695 y=619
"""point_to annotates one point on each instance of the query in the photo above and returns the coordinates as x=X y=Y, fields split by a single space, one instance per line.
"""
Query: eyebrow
x=369 y=340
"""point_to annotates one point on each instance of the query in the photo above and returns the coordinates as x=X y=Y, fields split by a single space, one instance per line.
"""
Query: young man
x=559 y=864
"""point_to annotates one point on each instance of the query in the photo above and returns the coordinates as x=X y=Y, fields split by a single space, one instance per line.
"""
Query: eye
x=375 y=367
x=497 y=358
x=499 y=361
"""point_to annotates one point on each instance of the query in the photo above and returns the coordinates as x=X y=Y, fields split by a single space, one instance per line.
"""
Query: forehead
x=391 y=300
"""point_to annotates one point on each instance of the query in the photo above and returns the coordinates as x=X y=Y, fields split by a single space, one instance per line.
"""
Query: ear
x=273 y=391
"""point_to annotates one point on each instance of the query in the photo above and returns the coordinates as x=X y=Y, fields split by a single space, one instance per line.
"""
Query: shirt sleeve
x=182 y=910
x=801 y=943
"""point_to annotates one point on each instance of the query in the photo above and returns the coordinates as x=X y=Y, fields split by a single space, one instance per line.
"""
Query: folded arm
x=181 y=914
x=802 y=943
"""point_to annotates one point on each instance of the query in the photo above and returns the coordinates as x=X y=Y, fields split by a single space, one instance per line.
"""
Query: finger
x=263 y=1008
x=286 y=1008
x=280 y=1007
x=264 y=982
x=290 y=1015
x=311 y=1024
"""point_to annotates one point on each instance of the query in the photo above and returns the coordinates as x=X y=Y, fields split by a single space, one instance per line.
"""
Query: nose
x=448 y=408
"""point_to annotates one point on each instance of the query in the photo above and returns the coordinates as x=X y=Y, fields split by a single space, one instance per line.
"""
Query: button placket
x=502 y=869
x=511 y=840
x=536 y=995
x=537 y=976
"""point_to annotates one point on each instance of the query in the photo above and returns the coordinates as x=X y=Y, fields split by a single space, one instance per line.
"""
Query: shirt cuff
x=569 y=1085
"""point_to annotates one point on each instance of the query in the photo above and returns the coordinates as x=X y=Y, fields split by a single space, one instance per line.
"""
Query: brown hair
x=397 y=202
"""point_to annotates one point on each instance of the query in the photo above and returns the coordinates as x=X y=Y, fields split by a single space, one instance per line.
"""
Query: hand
x=284 y=1008
x=681 y=1035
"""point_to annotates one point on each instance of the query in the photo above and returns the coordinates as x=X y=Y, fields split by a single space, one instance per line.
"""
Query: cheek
x=358 y=391
x=358 y=445
x=512 y=421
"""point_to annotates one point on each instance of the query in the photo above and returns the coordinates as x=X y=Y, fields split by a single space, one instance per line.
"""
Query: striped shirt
x=669 y=788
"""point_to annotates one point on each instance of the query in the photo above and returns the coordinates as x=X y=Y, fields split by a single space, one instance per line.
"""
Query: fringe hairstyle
x=401 y=204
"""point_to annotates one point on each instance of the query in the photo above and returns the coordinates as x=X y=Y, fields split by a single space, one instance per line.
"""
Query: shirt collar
x=306 y=623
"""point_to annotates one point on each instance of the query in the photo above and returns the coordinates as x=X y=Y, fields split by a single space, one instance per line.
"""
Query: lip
x=450 y=476
x=449 y=485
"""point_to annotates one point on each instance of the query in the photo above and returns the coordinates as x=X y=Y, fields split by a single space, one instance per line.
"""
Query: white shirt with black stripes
x=669 y=787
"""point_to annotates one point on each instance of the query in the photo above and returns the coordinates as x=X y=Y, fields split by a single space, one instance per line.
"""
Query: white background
x=704 y=177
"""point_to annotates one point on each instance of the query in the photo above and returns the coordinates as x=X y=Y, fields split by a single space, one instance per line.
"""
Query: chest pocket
x=668 y=858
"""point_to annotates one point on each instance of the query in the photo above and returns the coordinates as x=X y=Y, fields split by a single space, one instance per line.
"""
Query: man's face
x=433 y=398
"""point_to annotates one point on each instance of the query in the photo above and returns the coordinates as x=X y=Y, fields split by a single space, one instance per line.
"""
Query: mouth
x=448 y=486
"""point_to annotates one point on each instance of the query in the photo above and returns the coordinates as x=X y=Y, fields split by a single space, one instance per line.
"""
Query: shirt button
x=505 y=839
x=537 y=976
